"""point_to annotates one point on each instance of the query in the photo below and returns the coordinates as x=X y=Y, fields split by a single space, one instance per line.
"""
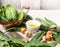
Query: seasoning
x=33 y=25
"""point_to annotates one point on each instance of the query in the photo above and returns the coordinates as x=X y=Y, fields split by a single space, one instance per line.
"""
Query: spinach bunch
x=5 y=41
x=36 y=41
x=8 y=13
x=45 y=24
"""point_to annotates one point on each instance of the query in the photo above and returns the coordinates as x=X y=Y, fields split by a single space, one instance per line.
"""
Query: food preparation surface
x=53 y=15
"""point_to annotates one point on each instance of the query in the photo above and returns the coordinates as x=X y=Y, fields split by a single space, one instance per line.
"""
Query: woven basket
x=12 y=23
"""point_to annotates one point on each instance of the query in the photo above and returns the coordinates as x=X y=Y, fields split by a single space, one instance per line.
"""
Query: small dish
x=33 y=26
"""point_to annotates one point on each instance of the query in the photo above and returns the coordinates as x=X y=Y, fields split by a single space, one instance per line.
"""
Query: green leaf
x=50 y=23
x=43 y=22
x=27 y=17
x=38 y=36
x=12 y=28
x=4 y=44
x=10 y=13
x=3 y=18
x=3 y=36
x=44 y=25
x=21 y=15
x=10 y=42
x=41 y=44
x=18 y=41
x=57 y=30
x=56 y=37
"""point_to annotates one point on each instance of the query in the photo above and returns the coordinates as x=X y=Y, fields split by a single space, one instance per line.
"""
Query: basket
x=12 y=23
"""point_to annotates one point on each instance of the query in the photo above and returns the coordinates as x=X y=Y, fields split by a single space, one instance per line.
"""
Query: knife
x=10 y=34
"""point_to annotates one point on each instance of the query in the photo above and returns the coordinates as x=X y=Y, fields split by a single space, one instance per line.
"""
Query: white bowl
x=33 y=29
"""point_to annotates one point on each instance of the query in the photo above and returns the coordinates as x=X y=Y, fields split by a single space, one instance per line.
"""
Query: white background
x=53 y=15
x=34 y=4
x=50 y=4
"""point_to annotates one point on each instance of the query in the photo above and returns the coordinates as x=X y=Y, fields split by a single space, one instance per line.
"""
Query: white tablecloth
x=54 y=15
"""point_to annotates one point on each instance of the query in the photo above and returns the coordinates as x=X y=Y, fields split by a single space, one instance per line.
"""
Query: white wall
x=15 y=3
x=34 y=4
x=50 y=4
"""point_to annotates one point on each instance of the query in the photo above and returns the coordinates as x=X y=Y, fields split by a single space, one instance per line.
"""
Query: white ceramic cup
x=35 y=29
